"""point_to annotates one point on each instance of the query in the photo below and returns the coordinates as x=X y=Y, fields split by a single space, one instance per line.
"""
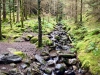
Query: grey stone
x=72 y=61
x=13 y=65
x=3 y=68
x=40 y=59
x=23 y=66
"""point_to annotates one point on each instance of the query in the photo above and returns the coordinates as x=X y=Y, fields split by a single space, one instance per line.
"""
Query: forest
x=49 y=37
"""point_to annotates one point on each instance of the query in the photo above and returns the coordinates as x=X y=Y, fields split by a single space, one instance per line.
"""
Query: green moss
x=19 y=53
x=34 y=39
x=87 y=44
x=45 y=40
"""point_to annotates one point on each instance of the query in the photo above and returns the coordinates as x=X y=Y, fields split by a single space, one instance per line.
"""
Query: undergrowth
x=86 y=41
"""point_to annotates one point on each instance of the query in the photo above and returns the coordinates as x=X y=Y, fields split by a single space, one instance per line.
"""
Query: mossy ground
x=86 y=40
x=17 y=31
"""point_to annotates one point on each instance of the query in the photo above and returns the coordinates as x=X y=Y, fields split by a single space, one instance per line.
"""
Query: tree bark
x=22 y=13
x=25 y=8
x=81 y=12
x=13 y=11
x=10 y=13
x=75 y=11
x=0 y=22
x=4 y=10
x=18 y=10
x=39 y=25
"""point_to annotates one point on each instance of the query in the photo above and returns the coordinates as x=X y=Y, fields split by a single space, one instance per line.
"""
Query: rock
x=3 y=68
x=23 y=66
x=32 y=58
x=48 y=70
x=44 y=54
x=27 y=37
x=51 y=63
x=75 y=68
x=65 y=47
x=34 y=39
x=10 y=59
x=2 y=73
x=46 y=57
x=35 y=65
x=13 y=71
x=27 y=61
x=45 y=74
x=13 y=65
x=16 y=52
x=29 y=71
x=53 y=53
x=70 y=73
x=40 y=59
x=19 y=39
x=60 y=66
x=67 y=55
x=72 y=61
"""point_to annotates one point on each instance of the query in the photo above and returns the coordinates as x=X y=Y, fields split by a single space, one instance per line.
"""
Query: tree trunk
x=39 y=25
x=13 y=11
x=25 y=8
x=22 y=13
x=0 y=22
x=18 y=10
x=30 y=9
x=4 y=10
x=81 y=12
x=10 y=13
x=75 y=11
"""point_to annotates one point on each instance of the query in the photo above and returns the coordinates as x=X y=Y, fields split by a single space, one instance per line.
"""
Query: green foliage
x=88 y=47
x=95 y=32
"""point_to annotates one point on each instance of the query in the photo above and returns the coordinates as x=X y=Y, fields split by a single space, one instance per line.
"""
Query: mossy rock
x=19 y=53
x=45 y=41
x=34 y=39
x=15 y=36
x=29 y=36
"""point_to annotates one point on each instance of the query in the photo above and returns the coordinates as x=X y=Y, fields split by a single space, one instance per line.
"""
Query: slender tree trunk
x=25 y=7
x=10 y=13
x=4 y=10
x=54 y=7
x=81 y=12
x=18 y=10
x=39 y=25
x=0 y=22
x=13 y=11
x=75 y=11
x=30 y=9
x=22 y=13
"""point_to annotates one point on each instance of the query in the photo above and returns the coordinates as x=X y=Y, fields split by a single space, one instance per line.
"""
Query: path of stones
x=55 y=60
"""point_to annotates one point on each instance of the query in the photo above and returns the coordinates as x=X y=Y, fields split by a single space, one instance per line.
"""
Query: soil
x=25 y=47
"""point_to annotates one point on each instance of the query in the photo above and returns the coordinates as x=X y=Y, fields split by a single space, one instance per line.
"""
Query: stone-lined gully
x=55 y=60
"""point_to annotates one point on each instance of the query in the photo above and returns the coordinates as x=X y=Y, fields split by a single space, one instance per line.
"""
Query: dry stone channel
x=55 y=60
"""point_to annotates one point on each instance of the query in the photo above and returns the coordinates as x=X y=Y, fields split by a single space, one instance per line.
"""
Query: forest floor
x=25 y=47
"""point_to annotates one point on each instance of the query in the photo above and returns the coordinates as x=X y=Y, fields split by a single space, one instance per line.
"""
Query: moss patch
x=87 y=43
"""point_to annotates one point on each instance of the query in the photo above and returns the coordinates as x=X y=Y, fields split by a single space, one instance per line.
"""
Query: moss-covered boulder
x=16 y=52
x=19 y=53
x=45 y=40
x=34 y=39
